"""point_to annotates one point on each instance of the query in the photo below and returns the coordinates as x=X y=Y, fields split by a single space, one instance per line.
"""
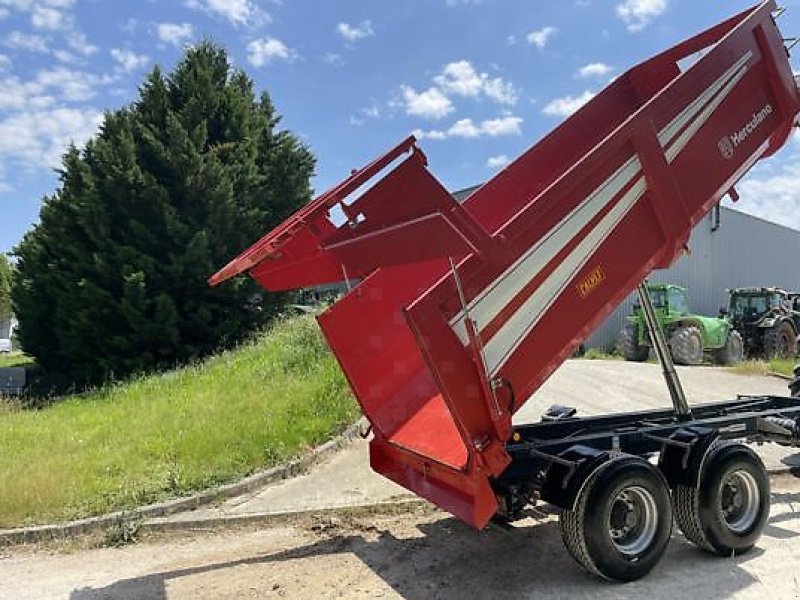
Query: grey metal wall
x=743 y=251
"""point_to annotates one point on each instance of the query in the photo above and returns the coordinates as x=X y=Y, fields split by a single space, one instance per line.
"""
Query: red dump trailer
x=463 y=310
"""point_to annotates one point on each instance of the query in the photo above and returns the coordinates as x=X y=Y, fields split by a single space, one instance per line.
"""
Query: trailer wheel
x=621 y=521
x=726 y=513
x=687 y=345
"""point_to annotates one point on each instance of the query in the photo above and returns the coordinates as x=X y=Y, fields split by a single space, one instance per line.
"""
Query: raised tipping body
x=464 y=310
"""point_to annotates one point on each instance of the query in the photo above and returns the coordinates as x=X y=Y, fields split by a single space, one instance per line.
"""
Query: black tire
x=794 y=387
x=726 y=513
x=628 y=344
x=732 y=352
x=780 y=341
x=687 y=345
x=621 y=521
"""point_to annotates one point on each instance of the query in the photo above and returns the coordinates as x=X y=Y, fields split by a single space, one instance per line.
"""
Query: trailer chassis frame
x=550 y=458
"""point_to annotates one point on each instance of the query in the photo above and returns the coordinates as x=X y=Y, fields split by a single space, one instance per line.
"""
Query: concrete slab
x=345 y=479
x=594 y=387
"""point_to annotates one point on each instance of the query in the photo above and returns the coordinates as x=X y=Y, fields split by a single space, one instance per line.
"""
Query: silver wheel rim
x=739 y=501
x=633 y=520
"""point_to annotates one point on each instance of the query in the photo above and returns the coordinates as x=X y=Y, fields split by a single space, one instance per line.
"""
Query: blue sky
x=479 y=80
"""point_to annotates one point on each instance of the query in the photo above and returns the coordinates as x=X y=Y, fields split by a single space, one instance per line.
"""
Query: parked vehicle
x=690 y=336
x=464 y=310
x=768 y=320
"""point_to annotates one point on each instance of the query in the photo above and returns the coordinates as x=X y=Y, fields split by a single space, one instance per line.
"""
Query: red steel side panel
x=461 y=303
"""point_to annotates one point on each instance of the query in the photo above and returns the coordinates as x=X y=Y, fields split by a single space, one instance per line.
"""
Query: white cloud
x=637 y=14
x=461 y=79
x=497 y=162
x=503 y=126
x=4 y=12
x=353 y=33
x=464 y=128
x=129 y=61
x=72 y=86
x=26 y=5
x=237 y=12
x=43 y=17
x=41 y=116
x=78 y=42
x=373 y=112
x=40 y=137
x=65 y=56
x=430 y=104
x=467 y=129
x=597 y=69
x=5 y=62
x=433 y=134
x=540 y=37
x=267 y=51
x=500 y=91
x=174 y=33
x=773 y=193
x=24 y=41
x=563 y=107
x=49 y=88
x=333 y=59
x=462 y=2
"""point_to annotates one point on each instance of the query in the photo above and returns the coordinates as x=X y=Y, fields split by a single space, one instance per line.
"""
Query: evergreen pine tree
x=113 y=278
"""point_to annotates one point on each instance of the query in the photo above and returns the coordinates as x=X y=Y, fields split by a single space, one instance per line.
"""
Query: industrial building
x=728 y=249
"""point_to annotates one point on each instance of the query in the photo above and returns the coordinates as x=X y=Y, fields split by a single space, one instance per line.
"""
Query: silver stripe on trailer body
x=682 y=140
x=511 y=334
x=666 y=135
x=488 y=304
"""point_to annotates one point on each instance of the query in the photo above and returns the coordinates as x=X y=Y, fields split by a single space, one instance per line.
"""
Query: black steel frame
x=537 y=446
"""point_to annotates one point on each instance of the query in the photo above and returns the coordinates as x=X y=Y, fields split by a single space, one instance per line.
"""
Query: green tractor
x=768 y=320
x=689 y=336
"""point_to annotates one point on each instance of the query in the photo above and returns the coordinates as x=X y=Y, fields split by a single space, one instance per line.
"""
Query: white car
x=5 y=345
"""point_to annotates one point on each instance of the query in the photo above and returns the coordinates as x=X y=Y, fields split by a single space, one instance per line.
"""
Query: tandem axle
x=617 y=506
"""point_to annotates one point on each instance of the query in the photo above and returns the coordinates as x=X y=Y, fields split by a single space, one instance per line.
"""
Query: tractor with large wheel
x=691 y=337
x=768 y=320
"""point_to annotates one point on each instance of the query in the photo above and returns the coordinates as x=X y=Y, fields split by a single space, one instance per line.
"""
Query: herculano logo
x=727 y=145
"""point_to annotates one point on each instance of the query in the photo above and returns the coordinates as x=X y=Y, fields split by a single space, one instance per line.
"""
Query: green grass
x=15 y=359
x=600 y=354
x=764 y=367
x=169 y=435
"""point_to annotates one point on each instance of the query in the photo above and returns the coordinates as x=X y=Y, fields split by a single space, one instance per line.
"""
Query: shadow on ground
x=449 y=560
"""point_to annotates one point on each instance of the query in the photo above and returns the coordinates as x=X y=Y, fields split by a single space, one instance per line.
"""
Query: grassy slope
x=167 y=435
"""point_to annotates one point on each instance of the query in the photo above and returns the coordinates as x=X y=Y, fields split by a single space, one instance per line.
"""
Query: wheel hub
x=739 y=501
x=633 y=520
